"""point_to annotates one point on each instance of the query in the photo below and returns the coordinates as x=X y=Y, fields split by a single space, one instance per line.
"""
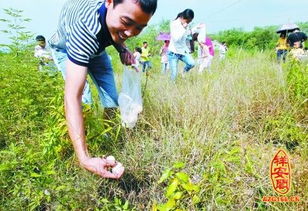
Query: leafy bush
x=260 y=38
x=297 y=79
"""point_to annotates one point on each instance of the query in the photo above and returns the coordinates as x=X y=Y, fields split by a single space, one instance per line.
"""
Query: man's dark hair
x=187 y=14
x=147 y=6
x=40 y=38
x=145 y=42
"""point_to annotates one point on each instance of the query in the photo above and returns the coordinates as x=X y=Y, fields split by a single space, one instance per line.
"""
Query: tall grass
x=225 y=126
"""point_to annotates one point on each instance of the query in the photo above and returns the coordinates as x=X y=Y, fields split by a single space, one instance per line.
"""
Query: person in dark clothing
x=296 y=36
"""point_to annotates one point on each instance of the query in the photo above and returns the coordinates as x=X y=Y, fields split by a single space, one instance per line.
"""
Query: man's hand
x=100 y=167
x=185 y=25
x=127 y=58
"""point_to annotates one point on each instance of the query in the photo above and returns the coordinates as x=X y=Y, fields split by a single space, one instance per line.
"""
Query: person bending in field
x=85 y=29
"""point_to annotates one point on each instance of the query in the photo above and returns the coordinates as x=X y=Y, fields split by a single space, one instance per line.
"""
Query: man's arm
x=74 y=85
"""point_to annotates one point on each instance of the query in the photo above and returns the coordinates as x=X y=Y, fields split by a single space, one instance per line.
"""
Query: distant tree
x=304 y=27
x=16 y=31
x=260 y=38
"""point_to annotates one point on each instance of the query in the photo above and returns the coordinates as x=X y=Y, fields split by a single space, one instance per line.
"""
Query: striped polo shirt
x=82 y=30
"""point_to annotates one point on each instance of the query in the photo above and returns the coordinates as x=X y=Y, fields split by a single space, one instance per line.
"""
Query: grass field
x=202 y=143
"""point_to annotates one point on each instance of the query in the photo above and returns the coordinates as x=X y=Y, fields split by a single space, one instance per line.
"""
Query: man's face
x=42 y=44
x=297 y=45
x=145 y=45
x=125 y=20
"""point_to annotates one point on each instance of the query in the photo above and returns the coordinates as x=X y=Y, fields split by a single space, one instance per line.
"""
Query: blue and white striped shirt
x=82 y=30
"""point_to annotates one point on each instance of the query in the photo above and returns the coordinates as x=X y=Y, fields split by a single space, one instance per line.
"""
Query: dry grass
x=225 y=125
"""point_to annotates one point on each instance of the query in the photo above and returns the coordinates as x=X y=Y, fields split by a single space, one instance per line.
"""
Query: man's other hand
x=127 y=58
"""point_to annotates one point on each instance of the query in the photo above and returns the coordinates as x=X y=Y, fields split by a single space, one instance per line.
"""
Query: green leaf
x=51 y=172
x=62 y=187
x=177 y=195
x=182 y=176
x=179 y=165
x=187 y=187
x=125 y=206
x=235 y=150
x=248 y=165
x=104 y=200
x=33 y=174
x=166 y=174
x=170 y=204
x=191 y=187
x=172 y=187
x=196 y=199
x=154 y=207
x=219 y=165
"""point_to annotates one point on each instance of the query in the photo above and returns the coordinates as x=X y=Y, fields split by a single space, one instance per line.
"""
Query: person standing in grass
x=41 y=52
x=86 y=28
x=137 y=55
x=206 y=52
x=178 y=50
x=282 y=48
x=297 y=53
x=164 y=57
x=222 y=48
x=297 y=36
x=145 y=57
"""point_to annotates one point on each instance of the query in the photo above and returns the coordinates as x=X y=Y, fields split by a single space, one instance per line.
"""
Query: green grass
x=225 y=126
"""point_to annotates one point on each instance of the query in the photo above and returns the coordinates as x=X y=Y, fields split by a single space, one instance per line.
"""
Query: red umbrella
x=163 y=36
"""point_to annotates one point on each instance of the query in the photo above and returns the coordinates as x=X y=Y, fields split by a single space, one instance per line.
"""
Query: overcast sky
x=218 y=14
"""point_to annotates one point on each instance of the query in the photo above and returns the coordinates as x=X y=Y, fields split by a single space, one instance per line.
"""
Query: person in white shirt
x=164 y=57
x=41 y=52
x=137 y=56
x=178 y=49
x=222 y=50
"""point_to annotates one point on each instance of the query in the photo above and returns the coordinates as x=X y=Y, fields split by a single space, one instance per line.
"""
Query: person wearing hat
x=296 y=36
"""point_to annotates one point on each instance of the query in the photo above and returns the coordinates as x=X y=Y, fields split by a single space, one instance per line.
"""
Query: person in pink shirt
x=205 y=54
x=164 y=56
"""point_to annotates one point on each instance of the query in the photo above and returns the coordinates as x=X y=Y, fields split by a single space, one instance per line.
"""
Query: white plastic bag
x=130 y=99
